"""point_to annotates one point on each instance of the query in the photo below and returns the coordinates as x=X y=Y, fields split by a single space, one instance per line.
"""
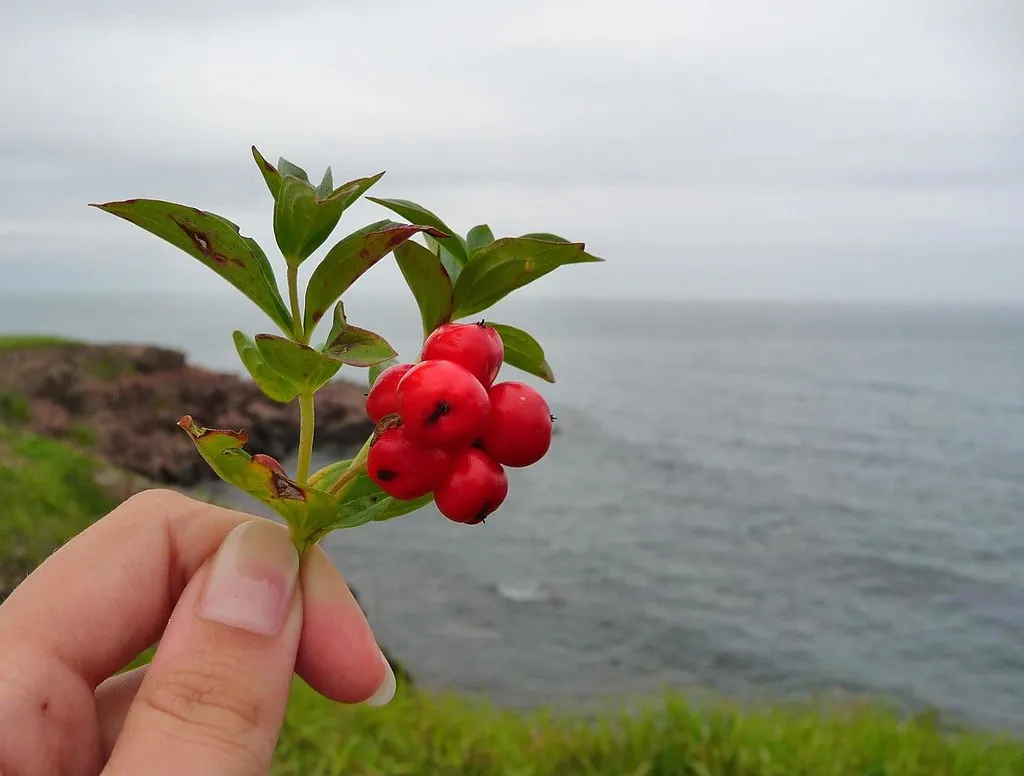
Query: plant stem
x=306 y=424
x=339 y=485
x=293 y=297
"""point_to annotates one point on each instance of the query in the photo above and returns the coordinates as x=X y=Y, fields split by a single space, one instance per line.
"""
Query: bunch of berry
x=445 y=427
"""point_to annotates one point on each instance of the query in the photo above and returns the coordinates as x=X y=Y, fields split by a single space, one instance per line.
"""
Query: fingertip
x=338 y=655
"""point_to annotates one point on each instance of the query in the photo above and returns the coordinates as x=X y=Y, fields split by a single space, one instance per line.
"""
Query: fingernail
x=252 y=580
x=386 y=691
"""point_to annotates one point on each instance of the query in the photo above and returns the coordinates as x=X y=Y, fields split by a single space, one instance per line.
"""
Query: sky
x=785 y=150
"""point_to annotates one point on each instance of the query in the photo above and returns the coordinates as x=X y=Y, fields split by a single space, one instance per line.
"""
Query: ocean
x=750 y=500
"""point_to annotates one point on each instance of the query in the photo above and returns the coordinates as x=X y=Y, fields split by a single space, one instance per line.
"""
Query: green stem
x=306 y=424
x=293 y=297
x=339 y=485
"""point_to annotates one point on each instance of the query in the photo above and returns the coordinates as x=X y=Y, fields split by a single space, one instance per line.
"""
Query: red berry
x=475 y=488
x=404 y=469
x=271 y=463
x=518 y=429
x=474 y=346
x=442 y=405
x=383 y=396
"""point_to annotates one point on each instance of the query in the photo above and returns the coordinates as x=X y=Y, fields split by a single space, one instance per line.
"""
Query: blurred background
x=791 y=402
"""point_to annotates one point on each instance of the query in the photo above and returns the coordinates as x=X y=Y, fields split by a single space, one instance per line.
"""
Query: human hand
x=235 y=616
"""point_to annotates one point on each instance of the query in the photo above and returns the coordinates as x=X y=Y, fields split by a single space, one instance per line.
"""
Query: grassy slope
x=48 y=495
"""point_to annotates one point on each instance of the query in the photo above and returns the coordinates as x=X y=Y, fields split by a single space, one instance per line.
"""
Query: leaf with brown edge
x=417 y=214
x=304 y=509
x=349 y=259
x=215 y=242
x=269 y=171
x=429 y=282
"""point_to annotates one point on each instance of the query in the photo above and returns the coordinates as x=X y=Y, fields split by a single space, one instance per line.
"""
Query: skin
x=213 y=699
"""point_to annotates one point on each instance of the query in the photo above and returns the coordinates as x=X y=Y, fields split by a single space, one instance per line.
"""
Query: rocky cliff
x=126 y=400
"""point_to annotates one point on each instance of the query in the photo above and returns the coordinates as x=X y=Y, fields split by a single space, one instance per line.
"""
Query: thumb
x=214 y=698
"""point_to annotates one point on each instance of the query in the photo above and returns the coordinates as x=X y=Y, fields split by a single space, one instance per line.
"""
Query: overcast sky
x=793 y=149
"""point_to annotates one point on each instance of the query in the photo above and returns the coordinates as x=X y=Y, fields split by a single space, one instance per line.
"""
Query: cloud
x=704 y=149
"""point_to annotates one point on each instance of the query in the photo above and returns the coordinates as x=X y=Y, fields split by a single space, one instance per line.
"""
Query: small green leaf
x=299 y=363
x=326 y=184
x=508 y=264
x=353 y=512
x=348 y=260
x=303 y=508
x=287 y=168
x=429 y=283
x=363 y=501
x=417 y=214
x=354 y=346
x=270 y=173
x=303 y=220
x=478 y=237
x=401 y=507
x=278 y=387
x=376 y=369
x=523 y=352
x=214 y=241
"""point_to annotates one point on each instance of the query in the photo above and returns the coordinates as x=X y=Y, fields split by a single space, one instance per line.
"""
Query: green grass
x=48 y=495
x=440 y=735
x=18 y=341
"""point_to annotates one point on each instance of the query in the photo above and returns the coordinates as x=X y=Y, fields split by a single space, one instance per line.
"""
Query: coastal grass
x=49 y=494
x=24 y=341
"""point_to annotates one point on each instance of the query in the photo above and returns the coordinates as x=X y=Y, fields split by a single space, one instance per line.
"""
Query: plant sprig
x=451 y=277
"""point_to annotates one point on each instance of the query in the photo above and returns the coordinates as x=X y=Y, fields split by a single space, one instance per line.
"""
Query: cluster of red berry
x=448 y=428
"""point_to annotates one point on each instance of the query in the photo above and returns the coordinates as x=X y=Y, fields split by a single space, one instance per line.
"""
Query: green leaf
x=417 y=214
x=326 y=184
x=523 y=352
x=478 y=237
x=429 y=283
x=270 y=173
x=275 y=385
x=451 y=265
x=376 y=369
x=348 y=260
x=362 y=500
x=286 y=168
x=303 y=508
x=508 y=264
x=216 y=242
x=547 y=236
x=400 y=507
x=354 y=346
x=299 y=363
x=303 y=220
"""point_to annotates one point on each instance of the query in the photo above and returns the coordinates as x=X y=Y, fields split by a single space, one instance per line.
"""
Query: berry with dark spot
x=442 y=405
x=382 y=399
x=476 y=347
x=404 y=469
x=519 y=425
x=475 y=488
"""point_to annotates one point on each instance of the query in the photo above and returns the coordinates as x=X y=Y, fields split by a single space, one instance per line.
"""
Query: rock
x=127 y=399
